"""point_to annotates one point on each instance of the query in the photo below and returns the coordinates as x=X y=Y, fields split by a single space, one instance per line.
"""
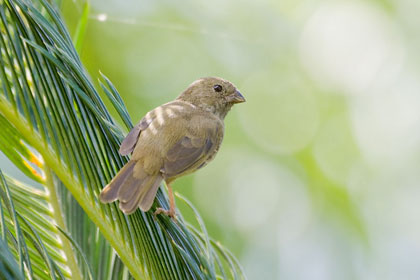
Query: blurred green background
x=318 y=175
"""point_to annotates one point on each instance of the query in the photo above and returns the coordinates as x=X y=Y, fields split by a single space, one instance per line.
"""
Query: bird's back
x=168 y=125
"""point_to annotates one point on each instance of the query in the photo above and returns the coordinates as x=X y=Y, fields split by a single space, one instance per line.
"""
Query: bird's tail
x=133 y=189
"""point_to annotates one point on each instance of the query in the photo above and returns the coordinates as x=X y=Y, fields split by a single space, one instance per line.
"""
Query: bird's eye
x=217 y=88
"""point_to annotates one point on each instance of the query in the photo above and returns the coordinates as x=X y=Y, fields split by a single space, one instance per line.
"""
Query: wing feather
x=186 y=154
x=130 y=141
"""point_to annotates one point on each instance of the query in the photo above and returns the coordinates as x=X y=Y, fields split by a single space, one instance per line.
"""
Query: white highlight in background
x=351 y=47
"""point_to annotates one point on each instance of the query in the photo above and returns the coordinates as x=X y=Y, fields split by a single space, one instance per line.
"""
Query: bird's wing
x=187 y=154
x=130 y=141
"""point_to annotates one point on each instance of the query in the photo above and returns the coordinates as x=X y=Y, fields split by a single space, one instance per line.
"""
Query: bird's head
x=212 y=94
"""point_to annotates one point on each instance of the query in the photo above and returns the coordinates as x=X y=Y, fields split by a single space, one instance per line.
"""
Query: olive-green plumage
x=172 y=140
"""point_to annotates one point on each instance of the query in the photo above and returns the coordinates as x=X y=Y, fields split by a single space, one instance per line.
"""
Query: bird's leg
x=172 y=206
x=171 y=211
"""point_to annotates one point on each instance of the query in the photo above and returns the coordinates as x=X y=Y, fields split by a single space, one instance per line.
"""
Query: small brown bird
x=172 y=140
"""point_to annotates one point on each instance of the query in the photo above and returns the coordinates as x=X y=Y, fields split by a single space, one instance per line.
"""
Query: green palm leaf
x=32 y=237
x=49 y=104
x=9 y=269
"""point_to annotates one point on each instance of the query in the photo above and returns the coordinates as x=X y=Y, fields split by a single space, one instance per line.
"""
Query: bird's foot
x=170 y=213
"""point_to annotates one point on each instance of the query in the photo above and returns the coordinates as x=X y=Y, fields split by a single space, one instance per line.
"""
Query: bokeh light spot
x=351 y=45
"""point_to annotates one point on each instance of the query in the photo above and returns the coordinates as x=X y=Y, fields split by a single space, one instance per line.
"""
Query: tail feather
x=132 y=190
x=110 y=192
x=130 y=206
x=147 y=200
x=144 y=194
x=133 y=185
x=130 y=194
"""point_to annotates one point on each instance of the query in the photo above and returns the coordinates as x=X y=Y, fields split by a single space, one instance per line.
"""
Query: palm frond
x=9 y=269
x=50 y=105
x=31 y=237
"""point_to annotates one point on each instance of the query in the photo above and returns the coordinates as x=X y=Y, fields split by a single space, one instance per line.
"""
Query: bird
x=170 y=141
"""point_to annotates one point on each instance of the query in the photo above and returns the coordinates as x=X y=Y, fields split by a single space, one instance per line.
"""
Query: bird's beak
x=237 y=97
